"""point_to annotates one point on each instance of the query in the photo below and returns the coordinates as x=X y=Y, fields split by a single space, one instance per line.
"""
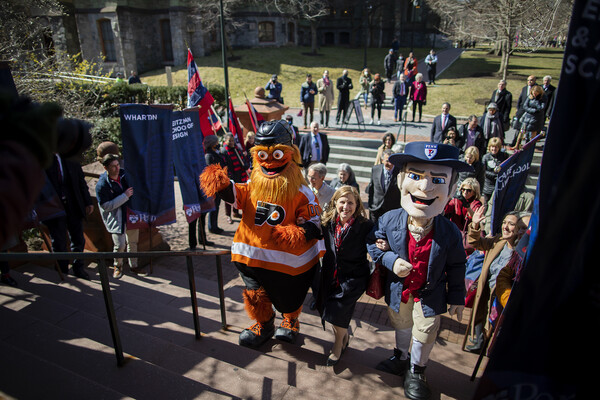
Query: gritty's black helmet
x=274 y=132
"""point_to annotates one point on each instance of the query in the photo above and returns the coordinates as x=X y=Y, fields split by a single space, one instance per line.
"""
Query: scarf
x=491 y=128
x=339 y=233
x=237 y=162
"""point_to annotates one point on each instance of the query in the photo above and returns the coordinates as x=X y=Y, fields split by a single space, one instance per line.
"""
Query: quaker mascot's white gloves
x=402 y=267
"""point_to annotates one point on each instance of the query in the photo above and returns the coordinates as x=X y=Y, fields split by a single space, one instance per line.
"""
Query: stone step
x=96 y=362
x=27 y=376
x=369 y=343
x=136 y=343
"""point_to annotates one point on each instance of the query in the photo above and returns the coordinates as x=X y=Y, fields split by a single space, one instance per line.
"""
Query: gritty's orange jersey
x=253 y=243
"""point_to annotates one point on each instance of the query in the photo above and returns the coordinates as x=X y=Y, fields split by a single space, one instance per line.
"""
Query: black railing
x=101 y=257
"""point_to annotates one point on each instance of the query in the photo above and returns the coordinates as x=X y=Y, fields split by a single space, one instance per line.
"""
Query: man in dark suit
x=441 y=123
x=67 y=179
x=549 y=91
x=383 y=191
x=314 y=147
x=503 y=100
x=296 y=138
x=343 y=85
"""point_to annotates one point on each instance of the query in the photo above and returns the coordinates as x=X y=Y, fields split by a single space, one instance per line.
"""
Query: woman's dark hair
x=388 y=135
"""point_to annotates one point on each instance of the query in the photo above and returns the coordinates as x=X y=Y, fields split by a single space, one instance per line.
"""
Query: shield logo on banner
x=430 y=150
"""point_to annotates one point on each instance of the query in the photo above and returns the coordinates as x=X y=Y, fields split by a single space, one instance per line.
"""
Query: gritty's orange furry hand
x=288 y=235
x=214 y=179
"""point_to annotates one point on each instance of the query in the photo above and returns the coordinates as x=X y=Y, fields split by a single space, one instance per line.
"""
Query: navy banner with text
x=548 y=346
x=188 y=156
x=510 y=183
x=148 y=157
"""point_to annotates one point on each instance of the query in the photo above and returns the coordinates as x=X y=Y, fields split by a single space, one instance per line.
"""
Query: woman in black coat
x=345 y=268
x=532 y=120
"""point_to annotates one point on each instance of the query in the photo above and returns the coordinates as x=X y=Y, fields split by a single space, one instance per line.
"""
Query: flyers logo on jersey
x=272 y=214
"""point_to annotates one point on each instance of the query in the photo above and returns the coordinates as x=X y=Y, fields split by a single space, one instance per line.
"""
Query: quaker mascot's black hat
x=274 y=132
x=431 y=153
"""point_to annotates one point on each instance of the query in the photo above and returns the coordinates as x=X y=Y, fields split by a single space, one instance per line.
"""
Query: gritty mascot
x=425 y=257
x=275 y=257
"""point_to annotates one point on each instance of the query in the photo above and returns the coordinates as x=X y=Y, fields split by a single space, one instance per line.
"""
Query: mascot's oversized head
x=276 y=175
x=428 y=177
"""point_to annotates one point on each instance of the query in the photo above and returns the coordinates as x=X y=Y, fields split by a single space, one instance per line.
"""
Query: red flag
x=234 y=126
x=255 y=116
x=198 y=95
x=209 y=122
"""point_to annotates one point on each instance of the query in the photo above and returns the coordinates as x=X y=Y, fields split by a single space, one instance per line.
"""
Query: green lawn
x=466 y=84
x=469 y=82
x=254 y=67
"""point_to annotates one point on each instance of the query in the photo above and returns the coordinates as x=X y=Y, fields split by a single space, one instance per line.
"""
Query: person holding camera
x=113 y=193
x=274 y=87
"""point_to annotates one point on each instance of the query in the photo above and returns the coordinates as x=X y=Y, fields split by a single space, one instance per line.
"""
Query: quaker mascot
x=425 y=257
x=276 y=258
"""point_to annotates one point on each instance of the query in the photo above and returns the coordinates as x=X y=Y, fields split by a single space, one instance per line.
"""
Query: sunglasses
x=466 y=190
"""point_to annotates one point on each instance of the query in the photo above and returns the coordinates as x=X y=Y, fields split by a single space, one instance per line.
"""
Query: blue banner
x=148 y=157
x=548 y=340
x=510 y=183
x=188 y=156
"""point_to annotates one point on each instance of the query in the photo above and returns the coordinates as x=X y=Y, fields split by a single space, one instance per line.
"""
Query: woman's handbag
x=375 y=287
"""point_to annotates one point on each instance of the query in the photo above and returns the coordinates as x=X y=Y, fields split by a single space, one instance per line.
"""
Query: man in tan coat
x=326 y=96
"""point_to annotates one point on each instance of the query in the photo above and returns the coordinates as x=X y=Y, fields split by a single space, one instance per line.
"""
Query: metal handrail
x=104 y=281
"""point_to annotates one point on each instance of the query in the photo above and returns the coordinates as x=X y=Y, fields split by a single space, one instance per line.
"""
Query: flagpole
x=224 y=55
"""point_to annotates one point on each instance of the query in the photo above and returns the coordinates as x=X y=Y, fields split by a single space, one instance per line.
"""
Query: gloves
x=402 y=267
x=456 y=309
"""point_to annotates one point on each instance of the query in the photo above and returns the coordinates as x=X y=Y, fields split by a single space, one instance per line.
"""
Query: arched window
x=266 y=31
x=107 y=40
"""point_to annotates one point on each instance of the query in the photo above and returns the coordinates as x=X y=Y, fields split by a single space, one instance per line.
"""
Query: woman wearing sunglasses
x=461 y=208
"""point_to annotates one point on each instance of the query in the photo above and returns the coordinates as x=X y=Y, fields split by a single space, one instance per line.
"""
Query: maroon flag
x=234 y=126
x=198 y=95
x=255 y=116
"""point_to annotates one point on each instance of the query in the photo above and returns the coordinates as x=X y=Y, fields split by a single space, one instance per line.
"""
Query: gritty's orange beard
x=284 y=186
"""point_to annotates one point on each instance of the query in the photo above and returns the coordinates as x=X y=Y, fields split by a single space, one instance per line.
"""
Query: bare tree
x=533 y=22
x=40 y=71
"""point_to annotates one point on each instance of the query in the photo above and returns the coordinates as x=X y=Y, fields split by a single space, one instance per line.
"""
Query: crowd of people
x=435 y=192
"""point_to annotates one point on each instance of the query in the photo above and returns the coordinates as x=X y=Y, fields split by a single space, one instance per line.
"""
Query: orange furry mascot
x=276 y=258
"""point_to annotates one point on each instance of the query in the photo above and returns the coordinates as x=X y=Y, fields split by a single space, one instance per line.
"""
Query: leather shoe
x=415 y=384
x=333 y=359
x=394 y=365
x=8 y=280
x=257 y=334
x=288 y=331
x=80 y=273
x=216 y=231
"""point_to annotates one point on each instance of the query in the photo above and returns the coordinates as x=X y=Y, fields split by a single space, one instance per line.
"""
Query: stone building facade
x=141 y=35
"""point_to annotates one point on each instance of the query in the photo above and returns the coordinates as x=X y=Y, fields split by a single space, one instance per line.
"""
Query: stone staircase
x=56 y=343
x=360 y=153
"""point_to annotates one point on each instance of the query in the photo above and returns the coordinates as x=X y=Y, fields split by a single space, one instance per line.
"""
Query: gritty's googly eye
x=263 y=155
x=278 y=154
